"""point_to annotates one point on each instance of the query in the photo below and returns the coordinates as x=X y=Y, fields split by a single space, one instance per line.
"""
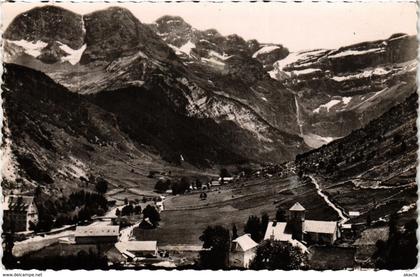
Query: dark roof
x=297 y=207
x=17 y=203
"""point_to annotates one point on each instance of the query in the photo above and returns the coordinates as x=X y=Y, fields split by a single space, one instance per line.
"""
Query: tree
x=101 y=186
x=280 y=215
x=216 y=240
x=137 y=209
x=273 y=255
x=152 y=214
x=118 y=212
x=399 y=251
x=224 y=173
x=264 y=223
x=253 y=227
x=180 y=187
x=127 y=210
x=234 y=232
x=162 y=185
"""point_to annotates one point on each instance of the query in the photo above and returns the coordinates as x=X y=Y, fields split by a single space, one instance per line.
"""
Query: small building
x=19 y=213
x=242 y=251
x=298 y=229
x=215 y=183
x=225 y=180
x=97 y=234
x=132 y=249
x=353 y=214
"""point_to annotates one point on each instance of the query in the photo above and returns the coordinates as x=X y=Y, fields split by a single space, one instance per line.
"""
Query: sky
x=298 y=26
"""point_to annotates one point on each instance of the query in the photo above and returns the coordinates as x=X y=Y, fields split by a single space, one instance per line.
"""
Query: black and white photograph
x=209 y=136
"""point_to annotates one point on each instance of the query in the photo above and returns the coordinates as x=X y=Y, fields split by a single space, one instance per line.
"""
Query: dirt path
x=339 y=211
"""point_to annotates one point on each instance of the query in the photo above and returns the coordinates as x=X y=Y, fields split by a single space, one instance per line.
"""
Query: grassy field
x=331 y=257
x=380 y=202
x=187 y=216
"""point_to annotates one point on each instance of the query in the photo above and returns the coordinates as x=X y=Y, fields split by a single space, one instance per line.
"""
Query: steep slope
x=58 y=140
x=342 y=90
x=373 y=169
x=207 y=77
x=134 y=56
x=48 y=33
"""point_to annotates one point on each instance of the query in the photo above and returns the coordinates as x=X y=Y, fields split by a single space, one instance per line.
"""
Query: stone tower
x=297 y=220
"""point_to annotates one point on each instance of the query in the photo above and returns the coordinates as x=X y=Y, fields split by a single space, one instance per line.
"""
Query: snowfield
x=356 y=52
x=264 y=50
x=328 y=105
x=73 y=56
x=31 y=48
x=368 y=73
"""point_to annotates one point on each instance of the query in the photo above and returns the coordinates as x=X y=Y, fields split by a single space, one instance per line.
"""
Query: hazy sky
x=295 y=25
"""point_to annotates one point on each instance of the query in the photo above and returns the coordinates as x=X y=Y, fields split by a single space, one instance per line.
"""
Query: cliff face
x=261 y=101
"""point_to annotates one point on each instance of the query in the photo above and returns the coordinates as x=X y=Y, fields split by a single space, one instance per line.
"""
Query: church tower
x=297 y=220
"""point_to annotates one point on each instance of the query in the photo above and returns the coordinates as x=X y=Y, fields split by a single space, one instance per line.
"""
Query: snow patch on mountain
x=73 y=56
x=368 y=73
x=295 y=57
x=316 y=141
x=186 y=48
x=346 y=100
x=213 y=61
x=31 y=48
x=306 y=71
x=218 y=55
x=76 y=168
x=355 y=52
x=264 y=50
x=328 y=105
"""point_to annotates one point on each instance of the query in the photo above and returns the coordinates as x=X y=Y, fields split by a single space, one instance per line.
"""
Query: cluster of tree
x=216 y=241
x=162 y=185
x=78 y=206
x=152 y=215
x=177 y=186
x=256 y=227
x=224 y=173
x=181 y=186
x=400 y=250
x=282 y=255
x=101 y=185
x=128 y=210
x=281 y=215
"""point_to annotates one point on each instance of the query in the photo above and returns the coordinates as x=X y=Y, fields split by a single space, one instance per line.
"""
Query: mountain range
x=104 y=91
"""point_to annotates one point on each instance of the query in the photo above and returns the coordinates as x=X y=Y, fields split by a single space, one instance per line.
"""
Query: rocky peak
x=47 y=24
x=116 y=32
x=170 y=23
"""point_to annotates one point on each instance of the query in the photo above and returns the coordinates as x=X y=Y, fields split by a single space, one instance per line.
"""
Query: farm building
x=132 y=249
x=354 y=214
x=225 y=180
x=242 y=251
x=20 y=213
x=297 y=228
x=96 y=234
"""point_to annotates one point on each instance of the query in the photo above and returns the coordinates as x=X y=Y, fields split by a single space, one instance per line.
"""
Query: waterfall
x=299 y=122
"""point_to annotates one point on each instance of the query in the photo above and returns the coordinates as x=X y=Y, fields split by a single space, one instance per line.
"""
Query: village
x=127 y=235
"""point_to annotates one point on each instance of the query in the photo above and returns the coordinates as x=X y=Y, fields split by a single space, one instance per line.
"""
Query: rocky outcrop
x=48 y=24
